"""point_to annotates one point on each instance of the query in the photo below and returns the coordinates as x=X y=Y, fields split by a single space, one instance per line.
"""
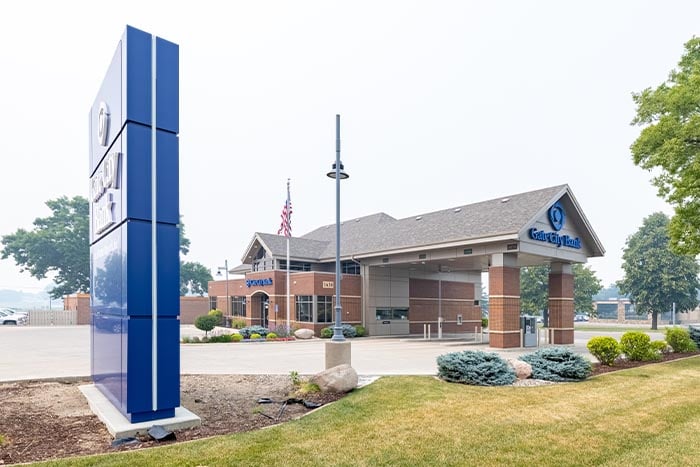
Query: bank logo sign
x=557 y=218
x=103 y=124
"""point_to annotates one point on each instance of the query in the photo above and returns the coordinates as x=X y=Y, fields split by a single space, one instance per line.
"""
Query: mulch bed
x=620 y=364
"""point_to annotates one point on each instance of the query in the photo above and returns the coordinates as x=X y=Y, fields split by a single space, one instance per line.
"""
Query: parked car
x=581 y=317
x=13 y=317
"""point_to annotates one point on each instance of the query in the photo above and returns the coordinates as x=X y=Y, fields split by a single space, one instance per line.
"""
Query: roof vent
x=419 y=218
x=458 y=209
x=505 y=200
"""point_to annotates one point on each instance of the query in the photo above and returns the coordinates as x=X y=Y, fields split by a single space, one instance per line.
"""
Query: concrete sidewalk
x=64 y=351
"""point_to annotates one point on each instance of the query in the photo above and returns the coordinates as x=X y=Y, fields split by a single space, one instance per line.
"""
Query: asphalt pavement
x=29 y=352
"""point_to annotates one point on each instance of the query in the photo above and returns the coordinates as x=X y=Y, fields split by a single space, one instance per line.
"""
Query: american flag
x=286 y=225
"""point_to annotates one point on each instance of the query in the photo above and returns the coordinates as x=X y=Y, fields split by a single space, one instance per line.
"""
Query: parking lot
x=64 y=351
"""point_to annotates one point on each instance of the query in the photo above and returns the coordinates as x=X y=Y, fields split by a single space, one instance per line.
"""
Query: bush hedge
x=219 y=316
x=605 y=348
x=348 y=331
x=557 y=364
x=247 y=331
x=679 y=340
x=476 y=368
x=636 y=346
x=205 y=323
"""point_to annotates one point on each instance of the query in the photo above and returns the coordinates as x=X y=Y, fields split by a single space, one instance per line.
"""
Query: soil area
x=42 y=420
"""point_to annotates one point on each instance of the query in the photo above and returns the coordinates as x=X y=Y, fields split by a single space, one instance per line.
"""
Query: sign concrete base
x=119 y=427
x=337 y=353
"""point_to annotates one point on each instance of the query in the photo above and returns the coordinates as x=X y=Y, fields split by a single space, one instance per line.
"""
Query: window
x=392 y=313
x=607 y=310
x=350 y=267
x=304 y=307
x=212 y=303
x=295 y=265
x=324 y=309
x=238 y=306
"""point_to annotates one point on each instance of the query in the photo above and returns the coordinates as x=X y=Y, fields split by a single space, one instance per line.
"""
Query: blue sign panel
x=134 y=236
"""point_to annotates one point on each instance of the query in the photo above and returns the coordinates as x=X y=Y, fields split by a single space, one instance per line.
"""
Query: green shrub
x=238 y=323
x=221 y=338
x=659 y=347
x=557 y=364
x=475 y=368
x=236 y=337
x=247 y=331
x=360 y=331
x=186 y=340
x=348 y=331
x=271 y=336
x=636 y=346
x=219 y=316
x=281 y=330
x=694 y=332
x=205 y=323
x=195 y=339
x=679 y=340
x=484 y=323
x=605 y=348
x=327 y=333
x=255 y=335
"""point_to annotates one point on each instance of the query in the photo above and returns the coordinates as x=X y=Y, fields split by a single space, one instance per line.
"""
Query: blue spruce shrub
x=476 y=368
x=557 y=364
x=694 y=332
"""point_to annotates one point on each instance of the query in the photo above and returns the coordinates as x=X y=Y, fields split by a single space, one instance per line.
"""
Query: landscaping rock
x=304 y=333
x=523 y=370
x=341 y=378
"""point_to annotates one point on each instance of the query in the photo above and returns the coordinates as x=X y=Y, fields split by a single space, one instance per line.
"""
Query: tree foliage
x=534 y=288
x=656 y=277
x=60 y=244
x=57 y=244
x=194 y=278
x=669 y=144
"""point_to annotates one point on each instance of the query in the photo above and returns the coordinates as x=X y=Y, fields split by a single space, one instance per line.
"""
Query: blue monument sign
x=134 y=237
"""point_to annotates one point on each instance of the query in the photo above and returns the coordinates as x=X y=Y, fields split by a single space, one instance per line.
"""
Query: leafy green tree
x=60 y=243
x=655 y=276
x=586 y=285
x=534 y=289
x=194 y=278
x=57 y=244
x=669 y=145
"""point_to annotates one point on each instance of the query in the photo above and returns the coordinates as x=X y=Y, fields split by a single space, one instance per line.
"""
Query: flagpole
x=290 y=233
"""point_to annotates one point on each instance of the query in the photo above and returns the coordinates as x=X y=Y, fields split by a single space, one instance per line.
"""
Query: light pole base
x=337 y=353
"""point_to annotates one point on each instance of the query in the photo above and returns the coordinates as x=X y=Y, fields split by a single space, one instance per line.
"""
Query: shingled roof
x=379 y=233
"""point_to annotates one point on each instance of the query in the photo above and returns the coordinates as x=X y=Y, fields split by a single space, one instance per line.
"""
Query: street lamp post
x=337 y=173
x=228 y=299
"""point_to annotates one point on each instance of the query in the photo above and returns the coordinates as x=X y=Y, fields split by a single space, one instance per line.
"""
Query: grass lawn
x=644 y=416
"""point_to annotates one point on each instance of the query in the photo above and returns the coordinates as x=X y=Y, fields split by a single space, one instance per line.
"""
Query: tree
x=669 y=144
x=194 y=278
x=59 y=243
x=586 y=285
x=655 y=276
x=534 y=289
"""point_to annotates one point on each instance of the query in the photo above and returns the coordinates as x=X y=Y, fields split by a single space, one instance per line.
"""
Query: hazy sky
x=442 y=103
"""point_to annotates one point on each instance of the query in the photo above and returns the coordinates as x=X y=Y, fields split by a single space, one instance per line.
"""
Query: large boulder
x=523 y=370
x=341 y=378
x=304 y=333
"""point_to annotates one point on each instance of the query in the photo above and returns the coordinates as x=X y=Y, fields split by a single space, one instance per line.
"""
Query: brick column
x=504 y=302
x=561 y=303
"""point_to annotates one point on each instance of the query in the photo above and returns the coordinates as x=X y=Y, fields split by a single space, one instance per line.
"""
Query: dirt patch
x=599 y=369
x=41 y=420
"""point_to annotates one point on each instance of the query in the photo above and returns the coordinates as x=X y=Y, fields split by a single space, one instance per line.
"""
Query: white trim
x=504 y=296
x=154 y=235
x=491 y=331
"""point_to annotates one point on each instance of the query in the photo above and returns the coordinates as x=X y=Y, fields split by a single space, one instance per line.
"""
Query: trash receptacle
x=528 y=325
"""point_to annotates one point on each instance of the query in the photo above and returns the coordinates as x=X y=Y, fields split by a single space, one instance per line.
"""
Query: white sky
x=442 y=103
